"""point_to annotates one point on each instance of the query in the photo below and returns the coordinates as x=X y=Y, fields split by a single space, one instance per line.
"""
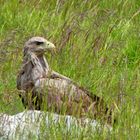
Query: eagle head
x=38 y=45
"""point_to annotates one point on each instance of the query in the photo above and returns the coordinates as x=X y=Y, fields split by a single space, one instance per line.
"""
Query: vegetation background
x=98 y=46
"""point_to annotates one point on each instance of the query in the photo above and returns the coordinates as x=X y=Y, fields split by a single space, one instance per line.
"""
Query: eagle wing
x=64 y=95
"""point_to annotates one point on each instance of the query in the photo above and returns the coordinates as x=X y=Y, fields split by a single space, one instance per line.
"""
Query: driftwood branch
x=37 y=123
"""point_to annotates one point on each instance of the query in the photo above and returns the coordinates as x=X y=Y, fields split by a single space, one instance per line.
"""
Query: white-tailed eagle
x=41 y=87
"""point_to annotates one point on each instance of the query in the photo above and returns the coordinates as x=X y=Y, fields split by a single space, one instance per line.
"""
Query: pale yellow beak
x=49 y=47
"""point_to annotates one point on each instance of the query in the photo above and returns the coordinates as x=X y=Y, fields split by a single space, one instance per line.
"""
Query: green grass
x=97 y=46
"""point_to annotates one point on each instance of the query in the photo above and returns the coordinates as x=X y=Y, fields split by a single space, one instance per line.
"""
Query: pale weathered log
x=29 y=125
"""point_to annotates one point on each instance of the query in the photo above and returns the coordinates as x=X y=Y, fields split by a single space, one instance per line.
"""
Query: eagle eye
x=39 y=43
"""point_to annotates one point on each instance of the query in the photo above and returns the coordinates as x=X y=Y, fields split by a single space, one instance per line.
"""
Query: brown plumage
x=42 y=87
